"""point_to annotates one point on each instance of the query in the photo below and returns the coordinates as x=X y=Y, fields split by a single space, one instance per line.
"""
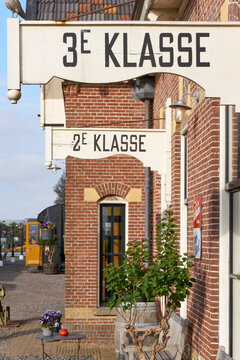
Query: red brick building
x=105 y=198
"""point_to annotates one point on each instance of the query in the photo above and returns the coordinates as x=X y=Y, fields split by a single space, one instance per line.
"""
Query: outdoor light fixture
x=48 y=164
x=55 y=168
x=52 y=167
x=180 y=107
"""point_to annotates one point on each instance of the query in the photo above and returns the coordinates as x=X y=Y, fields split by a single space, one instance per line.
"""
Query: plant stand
x=58 y=337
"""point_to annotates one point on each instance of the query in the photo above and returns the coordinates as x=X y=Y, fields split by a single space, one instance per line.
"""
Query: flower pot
x=47 y=234
x=50 y=269
x=47 y=332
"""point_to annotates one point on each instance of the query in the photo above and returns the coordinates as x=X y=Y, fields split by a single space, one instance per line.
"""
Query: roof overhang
x=161 y=10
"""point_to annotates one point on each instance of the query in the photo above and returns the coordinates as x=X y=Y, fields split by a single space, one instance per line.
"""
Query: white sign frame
x=148 y=146
x=208 y=53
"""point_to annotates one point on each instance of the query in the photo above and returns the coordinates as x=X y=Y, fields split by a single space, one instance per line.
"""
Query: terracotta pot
x=50 y=269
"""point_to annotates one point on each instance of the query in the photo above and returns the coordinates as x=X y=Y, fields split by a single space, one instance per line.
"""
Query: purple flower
x=50 y=319
x=48 y=225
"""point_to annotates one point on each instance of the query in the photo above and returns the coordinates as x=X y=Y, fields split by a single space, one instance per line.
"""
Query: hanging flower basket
x=48 y=240
x=48 y=229
x=47 y=234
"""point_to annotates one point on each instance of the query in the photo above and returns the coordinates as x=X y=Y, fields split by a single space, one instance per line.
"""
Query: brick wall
x=97 y=106
x=203 y=180
x=207 y=10
x=112 y=106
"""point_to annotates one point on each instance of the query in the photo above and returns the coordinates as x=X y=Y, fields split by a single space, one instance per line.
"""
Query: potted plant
x=48 y=241
x=48 y=229
x=167 y=278
x=50 y=321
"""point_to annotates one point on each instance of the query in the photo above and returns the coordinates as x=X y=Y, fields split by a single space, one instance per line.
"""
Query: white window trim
x=111 y=202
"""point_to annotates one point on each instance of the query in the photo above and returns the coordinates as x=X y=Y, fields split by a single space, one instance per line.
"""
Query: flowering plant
x=48 y=225
x=167 y=278
x=51 y=319
x=50 y=241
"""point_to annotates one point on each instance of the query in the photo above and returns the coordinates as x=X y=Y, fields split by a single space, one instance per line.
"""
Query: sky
x=26 y=185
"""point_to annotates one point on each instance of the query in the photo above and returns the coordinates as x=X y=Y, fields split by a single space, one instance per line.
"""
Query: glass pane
x=105 y=260
x=117 y=211
x=107 y=245
x=33 y=234
x=106 y=211
x=117 y=260
x=116 y=229
x=106 y=236
x=117 y=246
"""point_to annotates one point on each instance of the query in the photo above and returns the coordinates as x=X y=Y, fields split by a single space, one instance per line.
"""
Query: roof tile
x=65 y=9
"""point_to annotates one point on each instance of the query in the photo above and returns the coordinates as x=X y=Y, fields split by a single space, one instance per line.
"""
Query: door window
x=33 y=233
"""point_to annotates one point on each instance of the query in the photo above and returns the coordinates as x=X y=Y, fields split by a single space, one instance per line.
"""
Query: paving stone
x=29 y=293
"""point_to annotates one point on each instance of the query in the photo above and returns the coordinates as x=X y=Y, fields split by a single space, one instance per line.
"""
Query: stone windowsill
x=104 y=311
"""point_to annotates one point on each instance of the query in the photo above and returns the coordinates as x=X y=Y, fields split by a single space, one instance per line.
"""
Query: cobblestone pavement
x=28 y=293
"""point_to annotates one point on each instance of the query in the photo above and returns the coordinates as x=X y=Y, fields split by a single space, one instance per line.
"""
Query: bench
x=175 y=345
x=222 y=355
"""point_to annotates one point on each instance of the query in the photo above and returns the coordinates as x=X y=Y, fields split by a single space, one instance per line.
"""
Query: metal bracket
x=235 y=276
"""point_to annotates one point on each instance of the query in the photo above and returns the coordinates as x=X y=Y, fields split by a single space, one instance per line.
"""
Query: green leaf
x=167 y=275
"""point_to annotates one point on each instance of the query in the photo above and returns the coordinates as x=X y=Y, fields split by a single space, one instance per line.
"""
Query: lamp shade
x=180 y=109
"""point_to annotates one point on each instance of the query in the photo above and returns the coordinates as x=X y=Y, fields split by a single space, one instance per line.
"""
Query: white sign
x=145 y=145
x=105 y=52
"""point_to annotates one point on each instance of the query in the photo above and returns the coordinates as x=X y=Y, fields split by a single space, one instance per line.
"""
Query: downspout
x=147 y=184
x=144 y=89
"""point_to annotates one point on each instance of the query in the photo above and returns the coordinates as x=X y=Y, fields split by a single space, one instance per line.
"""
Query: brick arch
x=112 y=188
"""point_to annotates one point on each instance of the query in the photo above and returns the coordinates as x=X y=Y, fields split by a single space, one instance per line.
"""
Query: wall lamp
x=49 y=165
x=181 y=108
x=55 y=168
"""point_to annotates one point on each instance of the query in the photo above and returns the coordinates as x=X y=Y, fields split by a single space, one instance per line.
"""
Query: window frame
x=111 y=203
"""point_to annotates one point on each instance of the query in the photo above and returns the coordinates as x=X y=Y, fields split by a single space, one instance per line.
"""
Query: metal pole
x=147 y=183
x=197 y=10
x=22 y=241
x=21 y=257
x=13 y=258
